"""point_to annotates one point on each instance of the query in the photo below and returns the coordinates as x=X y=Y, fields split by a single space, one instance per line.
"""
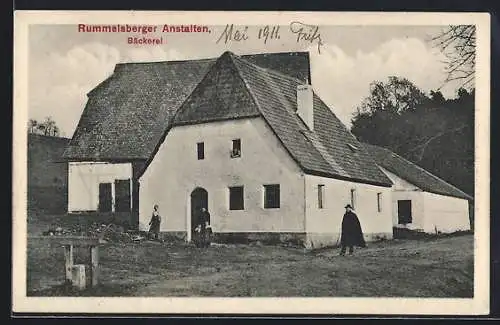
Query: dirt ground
x=440 y=267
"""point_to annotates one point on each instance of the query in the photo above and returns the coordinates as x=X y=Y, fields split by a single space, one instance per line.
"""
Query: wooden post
x=68 y=261
x=94 y=265
x=78 y=274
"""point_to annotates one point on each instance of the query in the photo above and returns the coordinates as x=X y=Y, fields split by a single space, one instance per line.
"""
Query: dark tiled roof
x=238 y=88
x=221 y=95
x=127 y=114
x=294 y=64
x=412 y=173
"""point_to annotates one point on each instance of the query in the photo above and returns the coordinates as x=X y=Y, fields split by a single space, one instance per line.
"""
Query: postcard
x=251 y=163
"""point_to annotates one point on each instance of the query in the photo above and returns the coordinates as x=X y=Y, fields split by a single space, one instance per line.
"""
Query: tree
x=47 y=127
x=438 y=136
x=50 y=127
x=396 y=96
x=458 y=44
x=32 y=125
x=378 y=118
x=437 y=97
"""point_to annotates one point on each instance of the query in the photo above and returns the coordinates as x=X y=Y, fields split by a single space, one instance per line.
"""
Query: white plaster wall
x=323 y=226
x=404 y=190
x=84 y=179
x=445 y=214
x=175 y=172
x=399 y=184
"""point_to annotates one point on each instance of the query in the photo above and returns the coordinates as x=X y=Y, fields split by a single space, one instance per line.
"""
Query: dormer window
x=352 y=147
x=236 y=149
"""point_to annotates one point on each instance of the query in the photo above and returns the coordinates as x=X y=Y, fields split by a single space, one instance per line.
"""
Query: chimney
x=305 y=105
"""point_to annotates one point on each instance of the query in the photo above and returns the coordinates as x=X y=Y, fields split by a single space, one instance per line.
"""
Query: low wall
x=88 y=217
x=266 y=238
x=309 y=241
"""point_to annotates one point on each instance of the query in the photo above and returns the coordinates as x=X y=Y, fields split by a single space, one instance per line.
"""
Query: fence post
x=94 y=265
x=68 y=261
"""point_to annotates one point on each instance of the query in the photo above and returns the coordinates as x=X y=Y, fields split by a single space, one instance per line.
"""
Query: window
x=271 y=196
x=236 y=150
x=321 y=196
x=201 y=150
x=379 y=202
x=353 y=198
x=236 y=198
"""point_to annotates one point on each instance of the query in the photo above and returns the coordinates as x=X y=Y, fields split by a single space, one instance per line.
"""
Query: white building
x=245 y=137
x=420 y=200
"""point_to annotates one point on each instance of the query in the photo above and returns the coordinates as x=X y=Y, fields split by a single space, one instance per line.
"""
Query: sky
x=64 y=64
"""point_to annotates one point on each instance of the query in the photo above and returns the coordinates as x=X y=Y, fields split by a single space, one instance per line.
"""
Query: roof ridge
x=271 y=71
x=164 y=61
x=208 y=59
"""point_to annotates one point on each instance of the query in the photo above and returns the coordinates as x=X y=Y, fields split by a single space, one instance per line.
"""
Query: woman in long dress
x=154 y=224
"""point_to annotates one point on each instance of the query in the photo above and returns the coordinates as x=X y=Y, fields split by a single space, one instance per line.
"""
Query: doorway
x=199 y=200
x=122 y=195
x=404 y=212
x=105 y=197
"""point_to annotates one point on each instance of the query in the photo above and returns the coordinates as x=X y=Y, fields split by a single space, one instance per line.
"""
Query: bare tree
x=32 y=125
x=50 y=126
x=47 y=127
x=458 y=44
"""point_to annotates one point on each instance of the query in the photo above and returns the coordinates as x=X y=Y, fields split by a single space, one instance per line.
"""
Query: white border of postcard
x=421 y=306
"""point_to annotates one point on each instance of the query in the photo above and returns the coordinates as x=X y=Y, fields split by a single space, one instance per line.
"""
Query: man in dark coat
x=352 y=235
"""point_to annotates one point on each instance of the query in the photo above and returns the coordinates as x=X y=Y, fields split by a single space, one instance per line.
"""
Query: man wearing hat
x=352 y=235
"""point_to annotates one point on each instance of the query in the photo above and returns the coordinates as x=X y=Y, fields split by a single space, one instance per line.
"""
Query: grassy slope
x=47 y=174
x=428 y=268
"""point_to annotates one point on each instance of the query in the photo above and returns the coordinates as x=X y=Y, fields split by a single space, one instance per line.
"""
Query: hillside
x=47 y=174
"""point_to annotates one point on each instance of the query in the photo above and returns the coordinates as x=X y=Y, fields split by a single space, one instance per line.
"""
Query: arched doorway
x=199 y=200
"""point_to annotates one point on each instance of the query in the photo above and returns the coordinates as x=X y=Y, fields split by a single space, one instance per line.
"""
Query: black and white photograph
x=251 y=155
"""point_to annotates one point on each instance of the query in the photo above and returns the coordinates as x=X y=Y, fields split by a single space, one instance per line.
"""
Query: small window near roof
x=321 y=196
x=353 y=198
x=201 y=150
x=379 y=202
x=352 y=147
x=236 y=150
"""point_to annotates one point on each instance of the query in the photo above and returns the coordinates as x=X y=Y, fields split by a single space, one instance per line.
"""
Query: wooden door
x=122 y=195
x=404 y=212
x=199 y=200
x=105 y=197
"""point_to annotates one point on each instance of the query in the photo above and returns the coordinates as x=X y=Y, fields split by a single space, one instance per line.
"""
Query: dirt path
x=425 y=268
